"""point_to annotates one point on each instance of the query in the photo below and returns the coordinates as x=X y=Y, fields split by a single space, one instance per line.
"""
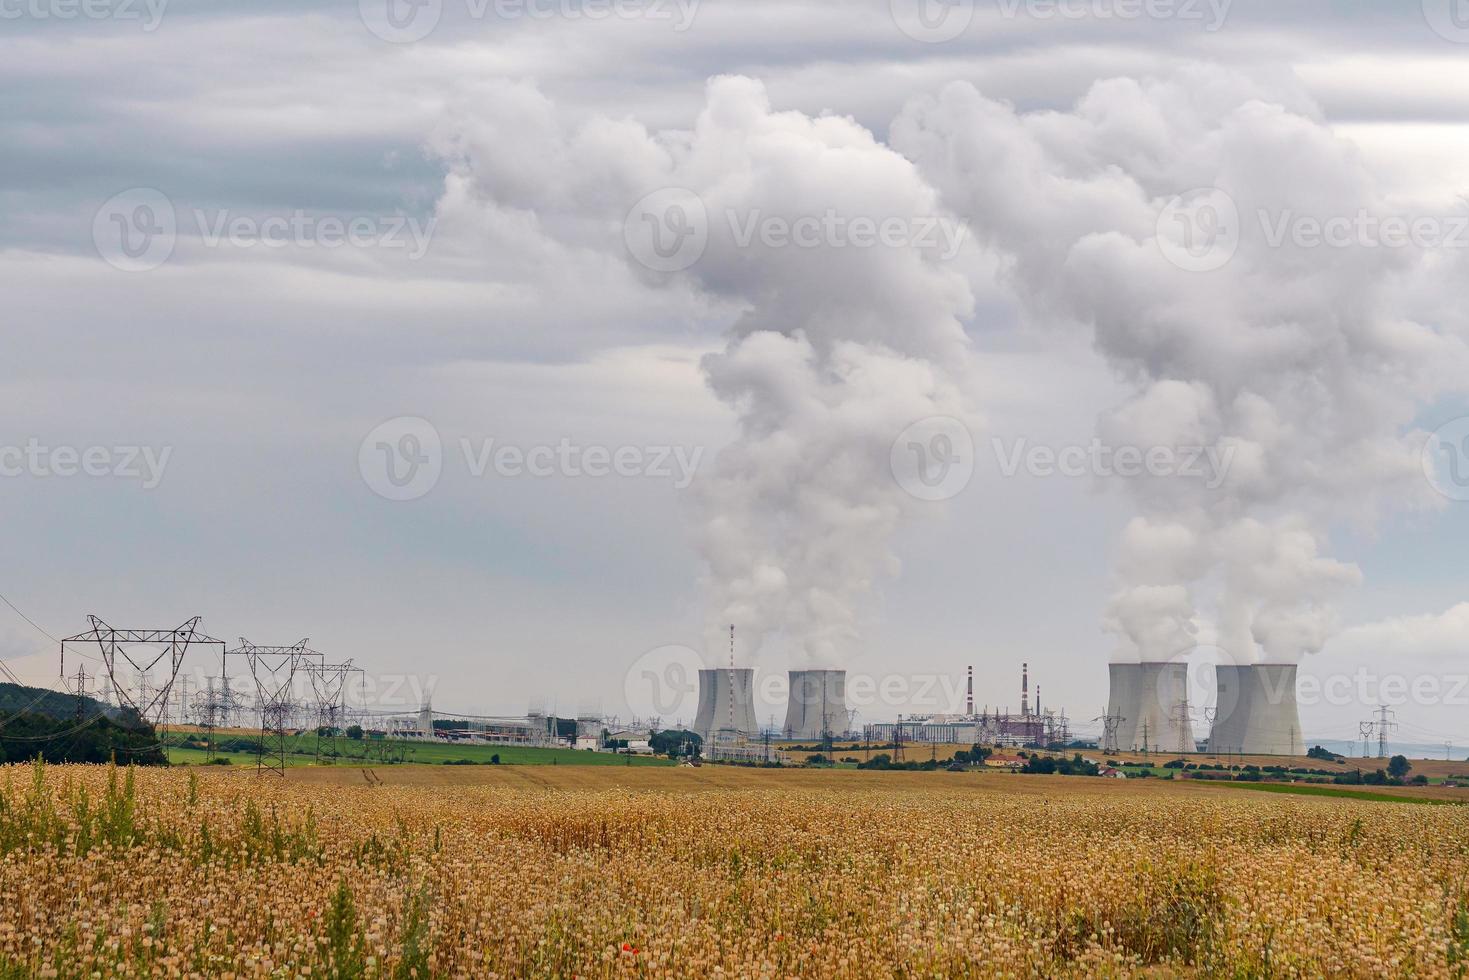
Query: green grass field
x=301 y=751
x=1301 y=789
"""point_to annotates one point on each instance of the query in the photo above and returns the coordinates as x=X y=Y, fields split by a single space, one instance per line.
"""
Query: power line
x=28 y=619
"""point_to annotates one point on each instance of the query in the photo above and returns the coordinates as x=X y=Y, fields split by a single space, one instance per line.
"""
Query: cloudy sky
x=504 y=346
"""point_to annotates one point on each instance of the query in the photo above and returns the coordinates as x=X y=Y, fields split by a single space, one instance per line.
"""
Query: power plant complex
x=817 y=710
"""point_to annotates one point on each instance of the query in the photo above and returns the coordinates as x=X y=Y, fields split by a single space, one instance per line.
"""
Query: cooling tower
x=1163 y=724
x=818 y=704
x=1122 y=706
x=718 y=690
x=1256 y=711
x=1146 y=707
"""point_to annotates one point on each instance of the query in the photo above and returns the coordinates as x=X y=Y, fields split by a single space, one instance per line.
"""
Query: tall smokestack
x=1025 y=690
x=969 y=693
x=817 y=705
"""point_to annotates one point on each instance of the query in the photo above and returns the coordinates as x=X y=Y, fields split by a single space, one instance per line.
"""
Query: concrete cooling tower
x=817 y=705
x=1122 y=708
x=1256 y=711
x=726 y=695
x=1147 y=706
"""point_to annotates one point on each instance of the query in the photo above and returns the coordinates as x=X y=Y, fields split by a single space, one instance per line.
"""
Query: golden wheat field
x=695 y=873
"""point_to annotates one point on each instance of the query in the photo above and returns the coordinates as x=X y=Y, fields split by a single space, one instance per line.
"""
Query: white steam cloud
x=1289 y=357
x=838 y=343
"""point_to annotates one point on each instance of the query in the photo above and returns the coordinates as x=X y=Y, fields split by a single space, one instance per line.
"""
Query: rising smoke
x=1292 y=358
x=834 y=347
x=1292 y=362
x=837 y=350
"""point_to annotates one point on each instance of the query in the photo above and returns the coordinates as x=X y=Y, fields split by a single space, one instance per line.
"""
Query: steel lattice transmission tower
x=329 y=684
x=274 y=672
x=212 y=706
x=1385 y=724
x=166 y=650
x=1110 y=724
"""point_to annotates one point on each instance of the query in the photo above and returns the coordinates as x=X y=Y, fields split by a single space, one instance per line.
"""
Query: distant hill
x=35 y=722
x=16 y=698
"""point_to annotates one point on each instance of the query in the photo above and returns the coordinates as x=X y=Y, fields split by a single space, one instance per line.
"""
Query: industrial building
x=1032 y=725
